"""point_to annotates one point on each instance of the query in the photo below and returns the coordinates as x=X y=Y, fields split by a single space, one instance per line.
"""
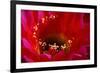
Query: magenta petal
x=26 y=44
x=60 y=56
x=24 y=20
x=27 y=59
x=45 y=57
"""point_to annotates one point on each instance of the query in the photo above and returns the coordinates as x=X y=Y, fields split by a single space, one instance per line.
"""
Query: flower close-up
x=54 y=36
